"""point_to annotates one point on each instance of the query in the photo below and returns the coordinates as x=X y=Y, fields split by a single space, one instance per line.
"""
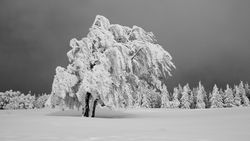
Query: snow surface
x=136 y=125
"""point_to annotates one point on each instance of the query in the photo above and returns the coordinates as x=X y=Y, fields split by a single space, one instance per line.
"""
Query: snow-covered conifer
x=185 y=99
x=216 y=99
x=209 y=96
x=200 y=104
x=237 y=97
x=229 y=98
x=244 y=99
x=180 y=90
x=175 y=103
x=165 y=102
x=247 y=88
x=205 y=96
x=222 y=94
x=151 y=98
x=192 y=99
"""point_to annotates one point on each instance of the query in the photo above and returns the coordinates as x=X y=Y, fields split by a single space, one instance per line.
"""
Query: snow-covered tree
x=237 y=97
x=244 y=99
x=180 y=90
x=185 y=99
x=192 y=99
x=247 y=89
x=150 y=98
x=222 y=94
x=175 y=103
x=195 y=92
x=206 y=100
x=112 y=59
x=40 y=101
x=16 y=100
x=229 y=98
x=209 y=96
x=200 y=104
x=144 y=92
x=216 y=99
x=165 y=102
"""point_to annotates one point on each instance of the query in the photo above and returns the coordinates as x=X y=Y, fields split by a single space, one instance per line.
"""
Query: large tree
x=110 y=65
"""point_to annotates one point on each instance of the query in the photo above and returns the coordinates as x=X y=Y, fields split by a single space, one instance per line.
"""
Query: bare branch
x=136 y=54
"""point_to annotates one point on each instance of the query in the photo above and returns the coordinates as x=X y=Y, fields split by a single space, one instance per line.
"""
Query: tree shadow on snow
x=100 y=113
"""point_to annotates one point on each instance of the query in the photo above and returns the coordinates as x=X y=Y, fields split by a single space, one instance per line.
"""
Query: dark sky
x=208 y=39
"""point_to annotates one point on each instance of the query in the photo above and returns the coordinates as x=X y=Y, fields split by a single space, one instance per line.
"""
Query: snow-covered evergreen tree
x=200 y=104
x=244 y=99
x=195 y=92
x=206 y=100
x=237 y=97
x=165 y=102
x=222 y=94
x=185 y=99
x=152 y=99
x=175 y=103
x=180 y=90
x=192 y=99
x=209 y=96
x=229 y=98
x=144 y=94
x=216 y=99
x=247 y=89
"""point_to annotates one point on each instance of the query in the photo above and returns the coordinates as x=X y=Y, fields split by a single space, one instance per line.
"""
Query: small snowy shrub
x=14 y=100
x=40 y=101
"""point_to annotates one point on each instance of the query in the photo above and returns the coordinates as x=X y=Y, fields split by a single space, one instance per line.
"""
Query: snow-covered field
x=130 y=125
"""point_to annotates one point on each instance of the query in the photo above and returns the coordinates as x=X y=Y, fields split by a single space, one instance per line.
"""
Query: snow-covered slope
x=135 y=125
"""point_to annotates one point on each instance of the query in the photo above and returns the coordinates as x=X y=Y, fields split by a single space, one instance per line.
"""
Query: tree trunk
x=85 y=108
x=93 y=103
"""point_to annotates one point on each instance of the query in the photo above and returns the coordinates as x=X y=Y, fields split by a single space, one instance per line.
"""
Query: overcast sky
x=208 y=39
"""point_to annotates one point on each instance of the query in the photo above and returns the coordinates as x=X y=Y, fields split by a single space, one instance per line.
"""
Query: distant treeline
x=17 y=100
x=198 y=98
